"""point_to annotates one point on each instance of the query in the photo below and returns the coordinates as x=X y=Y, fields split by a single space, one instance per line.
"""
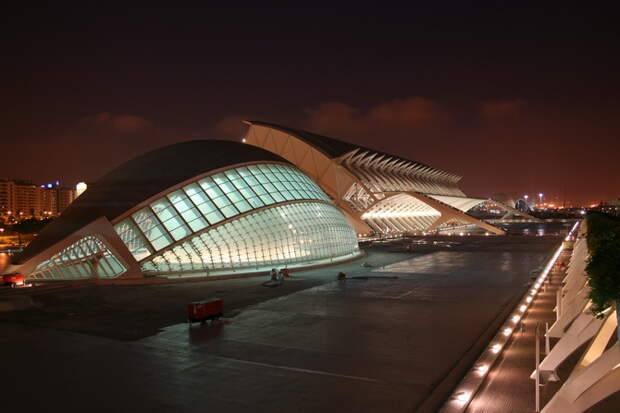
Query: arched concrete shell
x=139 y=179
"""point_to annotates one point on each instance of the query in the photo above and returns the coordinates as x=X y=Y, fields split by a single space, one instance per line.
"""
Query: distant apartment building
x=19 y=198
x=22 y=199
x=7 y=195
x=56 y=199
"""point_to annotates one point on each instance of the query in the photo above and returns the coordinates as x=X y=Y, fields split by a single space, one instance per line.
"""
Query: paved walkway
x=374 y=344
x=132 y=312
x=508 y=387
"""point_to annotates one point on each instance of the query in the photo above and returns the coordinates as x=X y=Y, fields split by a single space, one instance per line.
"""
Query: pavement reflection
x=4 y=261
x=380 y=341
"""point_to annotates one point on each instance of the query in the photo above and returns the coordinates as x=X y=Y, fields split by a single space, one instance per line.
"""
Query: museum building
x=282 y=197
x=193 y=209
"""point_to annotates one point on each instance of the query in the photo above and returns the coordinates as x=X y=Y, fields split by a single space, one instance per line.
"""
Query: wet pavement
x=508 y=386
x=4 y=261
x=383 y=342
x=132 y=312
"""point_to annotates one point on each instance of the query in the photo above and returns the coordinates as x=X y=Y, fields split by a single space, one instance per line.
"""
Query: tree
x=604 y=264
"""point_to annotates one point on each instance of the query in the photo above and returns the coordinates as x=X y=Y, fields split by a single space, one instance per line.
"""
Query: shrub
x=604 y=264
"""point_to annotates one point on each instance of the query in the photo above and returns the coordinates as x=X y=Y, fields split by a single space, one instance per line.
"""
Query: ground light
x=472 y=381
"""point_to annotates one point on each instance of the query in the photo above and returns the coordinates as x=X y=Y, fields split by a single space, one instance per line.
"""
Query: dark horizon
x=520 y=99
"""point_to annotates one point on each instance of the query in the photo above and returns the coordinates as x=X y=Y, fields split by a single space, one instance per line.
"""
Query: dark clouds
x=502 y=108
x=230 y=127
x=515 y=98
x=346 y=120
x=121 y=124
x=507 y=145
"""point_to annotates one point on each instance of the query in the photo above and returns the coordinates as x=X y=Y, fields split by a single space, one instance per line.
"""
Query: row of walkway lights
x=465 y=391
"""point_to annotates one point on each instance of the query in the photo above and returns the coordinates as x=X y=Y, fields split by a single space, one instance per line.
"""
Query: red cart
x=201 y=311
x=13 y=279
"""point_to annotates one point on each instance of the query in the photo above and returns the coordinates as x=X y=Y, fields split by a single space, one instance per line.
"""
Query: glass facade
x=211 y=200
x=174 y=234
x=282 y=235
x=86 y=258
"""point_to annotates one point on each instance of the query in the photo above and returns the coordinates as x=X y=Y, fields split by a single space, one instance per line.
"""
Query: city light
x=529 y=299
x=80 y=188
x=507 y=331
x=496 y=348
x=516 y=318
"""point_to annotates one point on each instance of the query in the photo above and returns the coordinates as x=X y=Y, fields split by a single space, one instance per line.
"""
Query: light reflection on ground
x=4 y=261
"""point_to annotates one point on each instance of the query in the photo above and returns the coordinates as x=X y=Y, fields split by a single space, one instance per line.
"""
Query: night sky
x=517 y=99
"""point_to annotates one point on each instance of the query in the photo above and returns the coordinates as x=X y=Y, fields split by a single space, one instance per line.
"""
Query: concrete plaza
x=394 y=339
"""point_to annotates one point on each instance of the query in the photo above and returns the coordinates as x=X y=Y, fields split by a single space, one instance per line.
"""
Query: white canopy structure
x=379 y=192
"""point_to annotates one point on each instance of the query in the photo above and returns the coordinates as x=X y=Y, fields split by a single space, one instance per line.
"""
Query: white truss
x=382 y=173
x=596 y=376
x=400 y=213
x=87 y=258
x=363 y=183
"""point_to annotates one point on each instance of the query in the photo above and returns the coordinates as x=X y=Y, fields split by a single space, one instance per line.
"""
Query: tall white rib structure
x=596 y=376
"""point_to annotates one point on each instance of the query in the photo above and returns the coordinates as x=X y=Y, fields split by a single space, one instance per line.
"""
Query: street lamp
x=540 y=197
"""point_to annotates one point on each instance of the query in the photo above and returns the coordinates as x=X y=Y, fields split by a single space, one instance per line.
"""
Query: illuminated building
x=7 y=196
x=20 y=199
x=194 y=209
x=23 y=199
x=379 y=192
x=56 y=198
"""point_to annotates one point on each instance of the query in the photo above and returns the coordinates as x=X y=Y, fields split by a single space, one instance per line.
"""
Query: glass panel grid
x=86 y=258
x=286 y=234
x=211 y=200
